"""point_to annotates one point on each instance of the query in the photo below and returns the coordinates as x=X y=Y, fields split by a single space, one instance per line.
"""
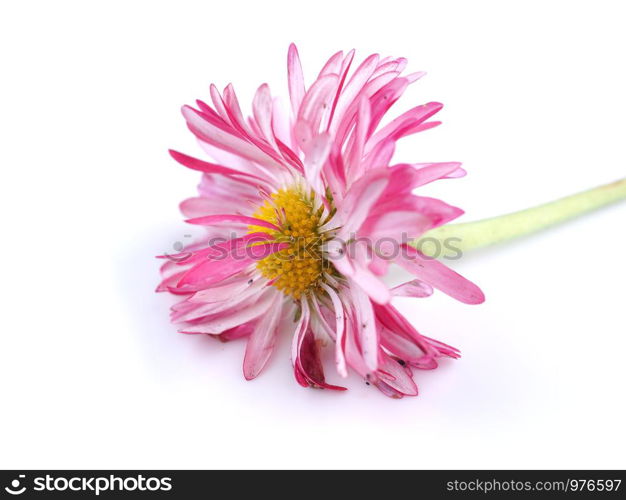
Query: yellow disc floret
x=299 y=267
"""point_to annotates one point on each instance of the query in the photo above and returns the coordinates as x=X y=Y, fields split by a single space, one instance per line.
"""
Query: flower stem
x=486 y=232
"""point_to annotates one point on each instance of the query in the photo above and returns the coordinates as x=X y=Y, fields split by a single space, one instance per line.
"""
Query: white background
x=92 y=374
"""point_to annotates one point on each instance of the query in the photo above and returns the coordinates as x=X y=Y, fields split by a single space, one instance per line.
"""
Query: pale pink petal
x=225 y=139
x=352 y=89
x=413 y=288
x=224 y=290
x=295 y=78
x=355 y=153
x=317 y=101
x=366 y=326
x=198 y=309
x=340 y=359
x=262 y=110
x=333 y=65
x=235 y=317
x=316 y=154
x=261 y=342
x=370 y=283
x=359 y=200
x=396 y=376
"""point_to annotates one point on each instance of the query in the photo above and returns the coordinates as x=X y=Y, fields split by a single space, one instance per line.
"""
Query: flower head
x=304 y=212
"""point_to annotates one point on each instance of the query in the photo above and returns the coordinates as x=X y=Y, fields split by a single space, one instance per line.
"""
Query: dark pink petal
x=398 y=336
x=169 y=284
x=237 y=332
x=212 y=168
x=222 y=248
x=309 y=369
x=209 y=272
x=383 y=100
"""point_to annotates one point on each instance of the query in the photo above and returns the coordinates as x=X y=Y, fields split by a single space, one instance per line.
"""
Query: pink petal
x=412 y=117
x=225 y=290
x=261 y=342
x=318 y=100
x=234 y=318
x=396 y=376
x=211 y=168
x=228 y=140
x=355 y=154
x=440 y=276
x=340 y=359
x=370 y=284
x=199 y=310
x=396 y=225
x=262 y=110
x=366 y=326
x=209 y=272
x=223 y=248
x=295 y=78
x=237 y=332
x=359 y=200
x=309 y=369
x=231 y=219
x=333 y=65
x=414 y=288
x=352 y=89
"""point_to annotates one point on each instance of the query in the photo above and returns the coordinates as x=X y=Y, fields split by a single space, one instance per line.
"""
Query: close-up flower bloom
x=304 y=211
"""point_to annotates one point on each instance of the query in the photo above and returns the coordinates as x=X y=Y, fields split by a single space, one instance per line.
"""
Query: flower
x=304 y=213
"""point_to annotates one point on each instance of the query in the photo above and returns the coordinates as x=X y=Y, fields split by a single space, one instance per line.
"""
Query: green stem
x=486 y=232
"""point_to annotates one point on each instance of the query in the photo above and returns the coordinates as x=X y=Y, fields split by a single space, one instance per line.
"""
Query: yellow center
x=299 y=267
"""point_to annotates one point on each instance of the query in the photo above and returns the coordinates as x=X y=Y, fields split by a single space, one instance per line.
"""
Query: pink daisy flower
x=304 y=213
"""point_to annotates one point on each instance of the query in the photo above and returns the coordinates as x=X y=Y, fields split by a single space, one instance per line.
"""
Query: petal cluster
x=304 y=212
